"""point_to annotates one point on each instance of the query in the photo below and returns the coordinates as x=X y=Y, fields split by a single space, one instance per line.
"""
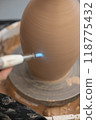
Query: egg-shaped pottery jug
x=51 y=27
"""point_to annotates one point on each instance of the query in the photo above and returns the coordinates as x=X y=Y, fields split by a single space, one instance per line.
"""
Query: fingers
x=4 y=73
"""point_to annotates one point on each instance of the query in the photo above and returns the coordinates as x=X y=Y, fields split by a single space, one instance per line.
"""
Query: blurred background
x=12 y=9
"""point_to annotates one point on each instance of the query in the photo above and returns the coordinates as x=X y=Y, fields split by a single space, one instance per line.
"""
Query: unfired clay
x=51 y=27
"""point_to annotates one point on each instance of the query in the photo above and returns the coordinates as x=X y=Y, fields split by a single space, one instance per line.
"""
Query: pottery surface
x=51 y=27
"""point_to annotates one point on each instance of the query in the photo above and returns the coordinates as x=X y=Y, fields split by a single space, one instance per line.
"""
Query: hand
x=4 y=73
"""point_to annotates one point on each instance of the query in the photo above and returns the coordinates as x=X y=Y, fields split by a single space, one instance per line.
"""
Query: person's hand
x=4 y=73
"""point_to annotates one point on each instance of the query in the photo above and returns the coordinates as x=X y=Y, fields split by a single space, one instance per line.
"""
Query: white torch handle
x=10 y=60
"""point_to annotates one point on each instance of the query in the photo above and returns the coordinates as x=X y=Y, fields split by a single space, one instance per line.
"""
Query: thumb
x=4 y=73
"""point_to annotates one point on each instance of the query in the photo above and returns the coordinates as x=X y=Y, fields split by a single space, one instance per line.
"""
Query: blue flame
x=39 y=55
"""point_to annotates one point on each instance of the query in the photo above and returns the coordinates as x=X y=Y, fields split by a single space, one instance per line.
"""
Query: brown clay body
x=51 y=27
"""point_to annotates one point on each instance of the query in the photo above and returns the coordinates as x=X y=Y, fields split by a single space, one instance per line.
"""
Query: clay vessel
x=51 y=27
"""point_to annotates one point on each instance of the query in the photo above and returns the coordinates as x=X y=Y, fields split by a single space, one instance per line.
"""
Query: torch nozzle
x=29 y=57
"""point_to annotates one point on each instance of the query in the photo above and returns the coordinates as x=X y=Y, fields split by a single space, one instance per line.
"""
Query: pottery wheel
x=46 y=93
